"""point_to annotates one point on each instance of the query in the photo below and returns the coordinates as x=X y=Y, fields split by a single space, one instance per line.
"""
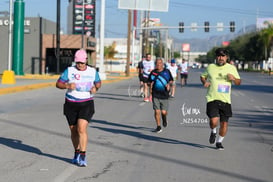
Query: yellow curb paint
x=25 y=87
x=43 y=85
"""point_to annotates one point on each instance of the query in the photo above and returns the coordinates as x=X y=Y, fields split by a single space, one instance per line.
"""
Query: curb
x=25 y=88
x=22 y=88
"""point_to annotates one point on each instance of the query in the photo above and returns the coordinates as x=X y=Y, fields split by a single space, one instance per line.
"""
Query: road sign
x=147 y=5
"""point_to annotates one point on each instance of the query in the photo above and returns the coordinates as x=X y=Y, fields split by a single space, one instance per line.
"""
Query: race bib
x=223 y=88
x=84 y=87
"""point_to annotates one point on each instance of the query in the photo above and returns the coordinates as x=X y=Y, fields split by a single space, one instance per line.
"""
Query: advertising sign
x=84 y=17
x=264 y=22
x=148 y=5
x=152 y=22
x=186 y=48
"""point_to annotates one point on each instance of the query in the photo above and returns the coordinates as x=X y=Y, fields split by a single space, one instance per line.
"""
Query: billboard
x=146 y=5
x=264 y=22
x=186 y=47
x=84 y=14
x=151 y=22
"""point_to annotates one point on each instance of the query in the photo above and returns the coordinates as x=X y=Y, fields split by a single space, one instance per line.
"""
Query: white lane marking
x=66 y=173
x=241 y=93
x=263 y=109
x=238 y=93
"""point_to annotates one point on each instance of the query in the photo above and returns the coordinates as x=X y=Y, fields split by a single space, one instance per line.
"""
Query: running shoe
x=146 y=99
x=158 y=129
x=219 y=146
x=165 y=123
x=150 y=98
x=82 y=161
x=76 y=158
x=212 y=138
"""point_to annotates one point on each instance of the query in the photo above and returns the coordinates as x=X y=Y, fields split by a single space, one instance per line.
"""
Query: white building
x=120 y=59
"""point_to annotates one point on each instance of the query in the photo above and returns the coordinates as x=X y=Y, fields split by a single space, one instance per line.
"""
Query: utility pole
x=147 y=32
x=58 y=36
x=10 y=34
x=8 y=75
x=102 y=23
x=83 y=22
x=128 y=42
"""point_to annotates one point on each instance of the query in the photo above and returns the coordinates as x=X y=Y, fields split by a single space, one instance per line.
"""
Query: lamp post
x=10 y=34
x=58 y=36
x=83 y=9
x=102 y=22
x=8 y=75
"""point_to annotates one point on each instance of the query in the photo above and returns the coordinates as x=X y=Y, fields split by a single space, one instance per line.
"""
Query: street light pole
x=58 y=36
x=10 y=34
x=83 y=9
x=102 y=22
x=129 y=43
x=9 y=75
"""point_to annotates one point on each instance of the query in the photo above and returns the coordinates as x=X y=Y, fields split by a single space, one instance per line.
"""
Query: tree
x=176 y=55
x=249 y=47
x=110 y=51
x=253 y=49
x=267 y=38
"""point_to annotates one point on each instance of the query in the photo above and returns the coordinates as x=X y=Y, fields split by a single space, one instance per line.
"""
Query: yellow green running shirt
x=220 y=87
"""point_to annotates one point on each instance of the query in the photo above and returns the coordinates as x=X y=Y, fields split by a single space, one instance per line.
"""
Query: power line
x=222 y=9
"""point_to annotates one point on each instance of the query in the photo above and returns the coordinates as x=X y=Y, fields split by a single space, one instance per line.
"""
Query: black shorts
x=182 y=75
x=219 y=109
x=145 y=80
x=78 y=110
x=140 y=77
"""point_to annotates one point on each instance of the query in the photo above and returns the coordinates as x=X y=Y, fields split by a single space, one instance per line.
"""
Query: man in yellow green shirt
x=218 y=78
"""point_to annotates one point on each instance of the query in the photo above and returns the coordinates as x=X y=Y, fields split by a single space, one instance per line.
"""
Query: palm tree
x=267 y=37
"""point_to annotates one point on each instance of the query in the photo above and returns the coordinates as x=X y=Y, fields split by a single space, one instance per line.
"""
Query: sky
x=243 y=12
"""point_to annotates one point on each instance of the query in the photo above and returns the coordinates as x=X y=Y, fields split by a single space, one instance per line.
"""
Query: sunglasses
x=79 y=63
x=220 y=55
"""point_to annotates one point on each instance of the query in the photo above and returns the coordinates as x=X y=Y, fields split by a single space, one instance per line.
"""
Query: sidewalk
x=30 y=82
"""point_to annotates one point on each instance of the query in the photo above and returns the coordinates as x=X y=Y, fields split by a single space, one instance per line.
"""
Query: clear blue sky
x=243 y=12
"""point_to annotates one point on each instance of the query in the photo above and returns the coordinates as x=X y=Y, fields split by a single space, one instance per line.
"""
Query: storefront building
x=40 y=45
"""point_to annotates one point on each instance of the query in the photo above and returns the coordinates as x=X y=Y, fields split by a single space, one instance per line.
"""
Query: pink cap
x=80 y=56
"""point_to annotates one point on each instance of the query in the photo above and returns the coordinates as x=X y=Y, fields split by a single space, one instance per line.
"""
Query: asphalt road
x=35 y=142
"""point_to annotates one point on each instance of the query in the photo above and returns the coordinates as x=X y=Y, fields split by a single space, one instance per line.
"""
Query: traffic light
x=206 y=24
x=181 y=27
x=232 y=26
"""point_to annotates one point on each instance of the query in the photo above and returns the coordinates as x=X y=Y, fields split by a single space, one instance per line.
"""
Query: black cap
x=221 y=52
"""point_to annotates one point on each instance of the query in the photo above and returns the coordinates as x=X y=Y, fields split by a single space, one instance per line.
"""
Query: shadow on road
x=15 y=144
x=232 y=175
x=141 y=135
x=255 y=88
x=256 y=118
x=19 y=145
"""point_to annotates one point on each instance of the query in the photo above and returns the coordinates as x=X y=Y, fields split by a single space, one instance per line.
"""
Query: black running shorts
x=145 y=79
x=183 y=75
x=219 y=109
x=78 y=110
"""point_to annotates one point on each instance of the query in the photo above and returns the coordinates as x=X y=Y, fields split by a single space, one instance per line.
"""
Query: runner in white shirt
x=81 y=83
x=148 y=66
x=174 y=70
x=183 y=68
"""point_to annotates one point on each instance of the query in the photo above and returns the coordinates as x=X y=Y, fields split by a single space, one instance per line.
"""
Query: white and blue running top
x=84 y=81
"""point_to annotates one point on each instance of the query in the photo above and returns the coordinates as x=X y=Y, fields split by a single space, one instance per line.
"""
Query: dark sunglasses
x=222 y=55
x=79 y=63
